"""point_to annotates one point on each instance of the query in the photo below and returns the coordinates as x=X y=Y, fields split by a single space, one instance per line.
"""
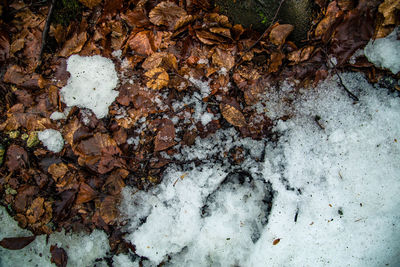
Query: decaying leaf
x=166 y=13
x=223 y=59
x=57 y=170
x=390 y=10
x=232 y=115
x=159 y=78
x=85 y=194
x=160 y=59
x=165 y=137
x=15 y=243
x=17 y=158
x=74 y=45
x=58 y=256
x=108 y=209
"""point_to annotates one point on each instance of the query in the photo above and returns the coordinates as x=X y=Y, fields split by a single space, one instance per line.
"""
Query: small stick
x=46 y=30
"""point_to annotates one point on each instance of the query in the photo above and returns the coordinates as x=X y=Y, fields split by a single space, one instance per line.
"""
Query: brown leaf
x=279 y=33
x=390 y=11
x=165 y=137
x=276 y=61
x=221 y=31
x=209 y=38
x=90 y=3
x=17 y=158
x=276 y=241
x=166 y=13
x=4 y=45
x=160 y=59
x=74 y=45
x=223 y=59
x=15 y=243
x=62 y=207
x=159 y=78
x=142 y=42
x=58 y=256
x=108 y=209
x=36 y=210
x=232 y=115
x=57 y=170
x=85 y=194
x=136 y=17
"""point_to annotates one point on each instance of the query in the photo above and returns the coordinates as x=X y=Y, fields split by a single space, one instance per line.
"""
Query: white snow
x=52 y=139
x=82 y=249
x=206 y=118
x=91 y=84
x=385 y=52
x=342 y=182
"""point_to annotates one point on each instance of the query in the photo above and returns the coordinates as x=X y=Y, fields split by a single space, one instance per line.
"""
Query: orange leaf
x=158 y=78
x=142 y=43
x=276 y=241
x=232 y=115
x=90 y=3
x=57 y=170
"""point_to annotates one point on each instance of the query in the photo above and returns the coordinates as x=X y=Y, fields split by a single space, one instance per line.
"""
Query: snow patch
x=52 y=139
x=91 y=84
x=385 y=52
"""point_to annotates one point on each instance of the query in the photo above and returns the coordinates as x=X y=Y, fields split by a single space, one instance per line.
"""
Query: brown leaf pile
x=173 y=56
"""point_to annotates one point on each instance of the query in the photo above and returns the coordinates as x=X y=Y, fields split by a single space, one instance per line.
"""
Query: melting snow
x=52 y=139
x=91 y=84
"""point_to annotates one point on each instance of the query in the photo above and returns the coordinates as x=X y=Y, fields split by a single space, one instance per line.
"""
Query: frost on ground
x=82 y=249
x=333 y=188
x=324 y=193
x=52 y=139
x=385 y=52
x=91 y=84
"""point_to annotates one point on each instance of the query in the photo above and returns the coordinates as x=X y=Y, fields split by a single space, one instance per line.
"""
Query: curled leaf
x=166 y=13
x=279 y=33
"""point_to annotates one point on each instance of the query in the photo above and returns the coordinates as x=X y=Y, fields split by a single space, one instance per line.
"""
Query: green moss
x=65 y=11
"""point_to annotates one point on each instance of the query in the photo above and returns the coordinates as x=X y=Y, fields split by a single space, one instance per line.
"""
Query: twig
x=351 y=95
x=46 y=30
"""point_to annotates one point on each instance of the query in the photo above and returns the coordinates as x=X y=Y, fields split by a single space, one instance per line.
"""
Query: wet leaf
x=108 y=209
x=160 y=59
x=15 y=243
x=390 y=10
x=232 y=115
x=85 y=194
x=276 y=241
x=36 y=210
x=159 y=78
x=165 y=137
x=136 y=17
x=62 y=207
x=58 y=256
x=17 y=158
x=223 y=59
x=4 y=45
x=166 y=13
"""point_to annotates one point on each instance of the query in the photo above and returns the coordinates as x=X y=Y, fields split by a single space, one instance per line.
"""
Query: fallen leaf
x=90 y=3
x=36 y=210
x=160 y=59
x=4 y=45
x=74 y=45
x=17 y=158
x=223 y=59
x=166 y=13
x=58 y=256
x=108 y=209
x=85 y=194
x=15 y=243
x=159 y=78
x=165 y=137
x=276 y=241
x=142 y=43
x=57 y=170
x=232 y=115
x=279 y=33
x=136 y=17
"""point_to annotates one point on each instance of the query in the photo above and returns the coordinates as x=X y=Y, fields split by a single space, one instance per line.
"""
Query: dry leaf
x=158 y=78
x=232 y=115
x=160 y=59
x=74 y=45
x=142 y=43
x=279 y=33
x=57 y=170
x=165 y=137
x=223 y=59
x=166 y=13
x=85 y=194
